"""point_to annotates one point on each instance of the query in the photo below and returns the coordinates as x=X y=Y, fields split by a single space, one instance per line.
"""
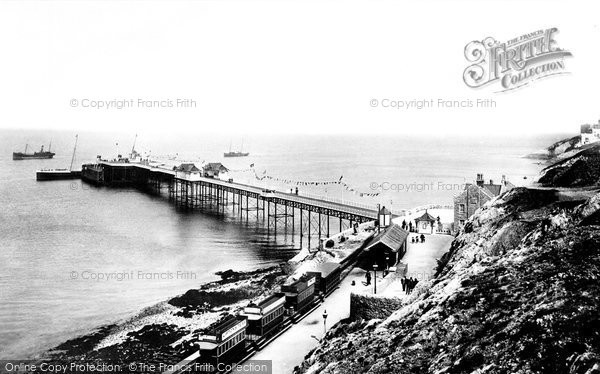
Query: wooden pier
x=283 y=213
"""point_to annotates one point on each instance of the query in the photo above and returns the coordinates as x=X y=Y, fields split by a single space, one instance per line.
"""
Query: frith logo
x=515 y=63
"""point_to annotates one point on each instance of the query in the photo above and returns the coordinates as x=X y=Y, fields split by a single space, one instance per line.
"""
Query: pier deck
x=282 y=211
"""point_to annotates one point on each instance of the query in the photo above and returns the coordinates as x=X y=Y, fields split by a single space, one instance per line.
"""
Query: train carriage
x=328 y=276
x=299 y=294
x=224 y=342
x=265 y=317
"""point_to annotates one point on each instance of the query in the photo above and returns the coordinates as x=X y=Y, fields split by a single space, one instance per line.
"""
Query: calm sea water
x=52 y=230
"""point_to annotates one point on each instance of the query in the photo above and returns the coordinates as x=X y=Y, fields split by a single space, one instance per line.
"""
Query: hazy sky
x=285 y=66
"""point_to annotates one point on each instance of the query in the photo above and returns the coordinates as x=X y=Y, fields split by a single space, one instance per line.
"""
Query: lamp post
x=378 y=219
x=324 y=322
x=375 y=277
x=387 y=265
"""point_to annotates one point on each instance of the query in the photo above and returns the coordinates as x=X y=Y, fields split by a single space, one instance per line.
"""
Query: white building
x=215 y=170
x=590 y=133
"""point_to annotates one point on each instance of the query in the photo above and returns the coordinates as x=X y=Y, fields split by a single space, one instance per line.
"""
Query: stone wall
x=371 y=306
x=476 y=199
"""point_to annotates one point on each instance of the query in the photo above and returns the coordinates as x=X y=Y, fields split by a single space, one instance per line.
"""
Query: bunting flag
x=313 y=183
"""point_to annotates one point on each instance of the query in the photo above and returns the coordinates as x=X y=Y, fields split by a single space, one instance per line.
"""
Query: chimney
x=479 y=180
x=491 y=181
x=504 y=180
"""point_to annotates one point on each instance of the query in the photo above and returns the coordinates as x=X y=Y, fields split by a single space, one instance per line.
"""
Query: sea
x=74 y=257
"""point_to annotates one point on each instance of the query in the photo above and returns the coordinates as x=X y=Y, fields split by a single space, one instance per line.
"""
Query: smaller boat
x=59 y=174
x=35 y=155
x=56 y=174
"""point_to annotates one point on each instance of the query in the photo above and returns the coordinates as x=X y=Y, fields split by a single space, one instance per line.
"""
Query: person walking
x=403 y=281
x=413 y=283
x=422 y=238
x=368 y=278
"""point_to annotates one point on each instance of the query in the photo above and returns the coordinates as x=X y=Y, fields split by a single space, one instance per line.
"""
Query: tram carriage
x=265 y=317
x=299 y=294
x=327 y=275
x=224 y=342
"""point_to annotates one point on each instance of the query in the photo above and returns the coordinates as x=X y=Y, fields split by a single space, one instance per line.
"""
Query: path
x=421 y=259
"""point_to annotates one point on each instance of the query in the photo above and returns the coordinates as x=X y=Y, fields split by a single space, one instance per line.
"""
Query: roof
x=325 y=268
x=494 y=189
x=480 y=189
x=384 y=210
x=299 y=284
x=187 y=167
x=508 y=185
x=426 y=217
x=393 y=238
x=223 y=325
x=270 y=300
x=490 y=190
x=208 y=346
x=215 y=166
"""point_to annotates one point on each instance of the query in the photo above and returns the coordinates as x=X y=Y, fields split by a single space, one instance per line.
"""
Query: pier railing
x=339 y=201
x=330 y=202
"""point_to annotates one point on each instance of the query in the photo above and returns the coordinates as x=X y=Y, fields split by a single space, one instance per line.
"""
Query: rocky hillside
x=562 y=148
x=580 y=170
x=519 y=292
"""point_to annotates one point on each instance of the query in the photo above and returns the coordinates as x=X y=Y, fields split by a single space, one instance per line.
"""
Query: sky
x=285 y=66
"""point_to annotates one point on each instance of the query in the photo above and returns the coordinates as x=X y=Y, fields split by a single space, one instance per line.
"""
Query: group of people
x=408 y=284
x=415 y=239
x=408 y=226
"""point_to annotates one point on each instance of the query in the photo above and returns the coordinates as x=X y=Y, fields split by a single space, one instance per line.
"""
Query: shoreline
x=167 y=330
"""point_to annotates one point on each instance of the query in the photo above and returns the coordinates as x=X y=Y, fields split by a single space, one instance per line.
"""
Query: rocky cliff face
x=580 y=170
x=564 y=146
x=561 y=149
x=518 y=293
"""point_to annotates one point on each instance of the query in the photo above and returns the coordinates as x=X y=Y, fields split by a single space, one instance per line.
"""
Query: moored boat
x=59 y=174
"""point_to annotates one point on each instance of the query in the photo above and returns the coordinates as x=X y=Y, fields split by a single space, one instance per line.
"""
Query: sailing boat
x=57 y=174
x=239 y=153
